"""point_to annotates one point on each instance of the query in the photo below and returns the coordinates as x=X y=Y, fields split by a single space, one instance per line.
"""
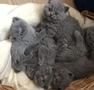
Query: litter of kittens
x=50 y=53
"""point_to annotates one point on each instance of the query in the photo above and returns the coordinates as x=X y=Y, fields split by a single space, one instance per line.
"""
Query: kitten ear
x=15 y=19
x=12 y=38
x=66 y=8
x=71 y=75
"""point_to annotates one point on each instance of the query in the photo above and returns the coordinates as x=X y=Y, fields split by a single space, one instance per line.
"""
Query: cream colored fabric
x=32 y=14
x=4 y=58
x=19 y=2
x=84 y=21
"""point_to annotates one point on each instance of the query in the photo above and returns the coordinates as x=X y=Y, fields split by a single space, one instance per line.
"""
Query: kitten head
x=90 y=37
x=19 y=29
x=44 y=76
x=55 y=11
x=62 y=78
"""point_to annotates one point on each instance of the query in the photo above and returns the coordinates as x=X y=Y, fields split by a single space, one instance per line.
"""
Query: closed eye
x=56 y=13
x=21 y=26
x=21 y=33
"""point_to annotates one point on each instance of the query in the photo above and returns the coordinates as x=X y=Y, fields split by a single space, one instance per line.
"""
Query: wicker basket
x=2 y=87
x=82 y=84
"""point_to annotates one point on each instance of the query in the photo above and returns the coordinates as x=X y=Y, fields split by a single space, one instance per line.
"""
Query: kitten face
x=18 y=29
x=43 y=77
x=55 y=11
x=62 y=78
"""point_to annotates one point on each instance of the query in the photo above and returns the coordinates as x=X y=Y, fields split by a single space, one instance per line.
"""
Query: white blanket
x=32 y=14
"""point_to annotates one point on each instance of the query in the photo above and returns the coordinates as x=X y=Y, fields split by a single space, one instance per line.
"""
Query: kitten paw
x=77 y=33
x=78 y=36
x=65 y=41
x=40 y=63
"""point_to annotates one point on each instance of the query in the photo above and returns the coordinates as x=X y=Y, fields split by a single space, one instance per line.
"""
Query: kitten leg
x=79 y=41
x=72 y=53
x=90 y=37
x=78 y=37
x=40 y=36
x=17 y=66
x=30 y=72
x=30 y=49
x=26 y=58
x=41 y=55
x=45 y=55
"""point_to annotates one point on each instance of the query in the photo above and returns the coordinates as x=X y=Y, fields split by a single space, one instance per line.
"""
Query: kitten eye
x=21 y=33
x=56 y=13
x=21 y=26
x=50 y=9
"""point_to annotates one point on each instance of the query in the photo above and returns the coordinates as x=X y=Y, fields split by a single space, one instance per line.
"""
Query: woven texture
x=88 y=14
x=5 y=87
x=82 y=84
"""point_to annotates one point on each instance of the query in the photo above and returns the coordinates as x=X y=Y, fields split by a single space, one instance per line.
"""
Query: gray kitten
x=67 y=75
x=65 y=72
x=68 y=41
x=22 y=35
x=54 y=13
x=62 y=78
x=68 y=51
x=32 y=66
x=44 y=76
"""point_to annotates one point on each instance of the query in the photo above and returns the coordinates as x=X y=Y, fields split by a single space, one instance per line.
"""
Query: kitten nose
x=51 y=14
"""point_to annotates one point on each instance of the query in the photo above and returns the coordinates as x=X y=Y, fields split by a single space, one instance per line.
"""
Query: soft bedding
x=32 y=14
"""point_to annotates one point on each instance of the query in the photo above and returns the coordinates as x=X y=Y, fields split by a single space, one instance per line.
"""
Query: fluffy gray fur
x=61 y=30
x=65 y=76
x=89 y=37
x=44 y=76
x=32 y=66
x=68 y=41
x=54 y=13
x=22 y=35
x=65 y=72
x=62 y=78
